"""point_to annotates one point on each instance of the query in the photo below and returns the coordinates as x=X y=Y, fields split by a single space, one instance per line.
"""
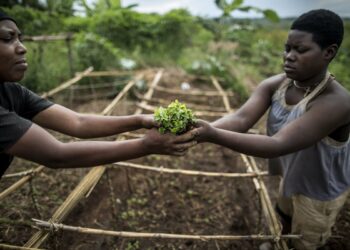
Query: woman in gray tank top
x=308 y=127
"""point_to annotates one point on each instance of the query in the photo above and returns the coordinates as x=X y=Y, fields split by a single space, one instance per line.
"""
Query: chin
x=17 y=77
x=290 y=75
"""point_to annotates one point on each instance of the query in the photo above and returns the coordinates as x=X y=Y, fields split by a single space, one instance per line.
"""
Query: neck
x=307 y=89
x=311 y=82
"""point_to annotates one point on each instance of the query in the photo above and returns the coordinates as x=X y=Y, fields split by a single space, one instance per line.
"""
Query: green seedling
x=176 y=118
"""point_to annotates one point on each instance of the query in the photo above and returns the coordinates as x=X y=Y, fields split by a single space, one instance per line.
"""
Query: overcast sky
x=207 y=8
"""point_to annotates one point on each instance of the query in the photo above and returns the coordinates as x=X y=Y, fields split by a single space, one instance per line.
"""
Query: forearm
x=231 y=122
x=93 y=126
x=68 y=122
x=92 y=153
x=255 y=145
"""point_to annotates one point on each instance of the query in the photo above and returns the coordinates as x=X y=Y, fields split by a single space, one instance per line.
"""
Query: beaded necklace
x=306 y=89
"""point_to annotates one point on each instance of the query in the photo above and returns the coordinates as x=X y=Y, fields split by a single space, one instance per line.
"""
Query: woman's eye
x=301 y=50
x=6 y=39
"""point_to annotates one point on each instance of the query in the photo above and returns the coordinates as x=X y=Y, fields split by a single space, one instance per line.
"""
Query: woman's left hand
x=147 y=121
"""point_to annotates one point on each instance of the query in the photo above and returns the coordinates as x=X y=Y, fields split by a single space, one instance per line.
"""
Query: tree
x=62 y=7
x=103 y=5
x=227 y=8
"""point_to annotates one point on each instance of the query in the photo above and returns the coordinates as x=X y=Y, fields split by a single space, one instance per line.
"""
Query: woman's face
x=13 y=63
x=303 y=58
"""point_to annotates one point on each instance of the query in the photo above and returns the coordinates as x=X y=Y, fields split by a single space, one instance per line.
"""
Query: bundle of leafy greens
x=176 y=118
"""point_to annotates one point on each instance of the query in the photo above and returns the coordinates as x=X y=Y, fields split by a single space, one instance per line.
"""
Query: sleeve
x=12 y=128
x=32 y=104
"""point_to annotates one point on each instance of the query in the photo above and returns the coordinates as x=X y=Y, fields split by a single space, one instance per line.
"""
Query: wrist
x=145 y=145
x=212 y=136
x=139 y=121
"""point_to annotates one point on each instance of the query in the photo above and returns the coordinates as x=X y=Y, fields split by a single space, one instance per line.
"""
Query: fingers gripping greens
x=176 y=118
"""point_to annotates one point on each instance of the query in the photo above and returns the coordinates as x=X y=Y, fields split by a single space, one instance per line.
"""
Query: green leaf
x=235 y=4
x=245 y=8
x=271 y=15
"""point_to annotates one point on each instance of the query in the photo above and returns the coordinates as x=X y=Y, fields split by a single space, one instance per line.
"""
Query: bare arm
x=318 y=122
x=39 y=146
x=252 y=110
x=66 y=121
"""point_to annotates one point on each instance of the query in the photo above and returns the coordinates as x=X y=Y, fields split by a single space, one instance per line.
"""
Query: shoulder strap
x=318 y=90
x=281 y=90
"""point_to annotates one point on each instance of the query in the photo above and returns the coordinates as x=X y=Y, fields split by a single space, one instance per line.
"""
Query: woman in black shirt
x=23 y=115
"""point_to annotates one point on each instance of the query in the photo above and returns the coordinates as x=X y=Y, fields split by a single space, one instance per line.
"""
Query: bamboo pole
x=133 y=135
x=56 y=227
x=189 y=105
x=276 y=222
x=69 y=54
x=270 y=215
x=47 y=38
x=68 y=83
x=87 y=184
x=99 y=85
x=6 y=246
x=191 y=92
x=109 y=73
x=223 y=93
x=108 y=110
x=189 y=172
x=150 y=91
x=71 y=201
x=20 y=183
x=196 y=113
x=19 y=174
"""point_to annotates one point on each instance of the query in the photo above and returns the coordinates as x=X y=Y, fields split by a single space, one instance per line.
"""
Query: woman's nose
x=20 y=48
x=289 y=55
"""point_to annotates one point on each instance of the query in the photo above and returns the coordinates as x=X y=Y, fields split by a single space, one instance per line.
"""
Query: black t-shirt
x=18 y=106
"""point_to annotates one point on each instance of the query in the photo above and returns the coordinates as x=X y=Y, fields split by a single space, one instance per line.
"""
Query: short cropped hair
x=326 y=27
x=4 y=16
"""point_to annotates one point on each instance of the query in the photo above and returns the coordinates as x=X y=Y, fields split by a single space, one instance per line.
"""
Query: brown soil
x=145 y=201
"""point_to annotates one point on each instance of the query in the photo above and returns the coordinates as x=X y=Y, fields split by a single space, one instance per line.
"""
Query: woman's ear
x=330 y=52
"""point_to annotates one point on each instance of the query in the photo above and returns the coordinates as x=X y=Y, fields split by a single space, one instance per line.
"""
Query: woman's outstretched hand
x=147 y=121
x=205 y=131
x=169 y=144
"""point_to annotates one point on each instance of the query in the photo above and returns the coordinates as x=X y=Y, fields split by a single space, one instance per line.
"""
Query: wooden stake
x=66 y=84
x=191 y=92
x=6 y=246
x=56 y=227
x=196 y=113
x=189 y=172
x=87 y=184
x=19 y=183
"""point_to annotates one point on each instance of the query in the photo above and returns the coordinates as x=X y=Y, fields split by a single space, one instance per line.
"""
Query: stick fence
x=90 y=180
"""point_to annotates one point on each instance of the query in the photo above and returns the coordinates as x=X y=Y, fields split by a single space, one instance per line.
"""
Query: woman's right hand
x=169 y=144
x=205 y=131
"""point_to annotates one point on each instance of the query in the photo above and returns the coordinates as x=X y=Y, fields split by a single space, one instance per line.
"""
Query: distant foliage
x=113 y=36
x=36 y=22
x=149 y=33
x=48 y=65
x=95 y=50
x=340 y=65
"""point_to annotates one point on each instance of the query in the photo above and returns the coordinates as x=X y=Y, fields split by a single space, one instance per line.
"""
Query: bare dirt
x=146 y=201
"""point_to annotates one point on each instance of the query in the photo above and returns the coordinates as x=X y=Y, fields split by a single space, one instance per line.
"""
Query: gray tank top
x=321 y=171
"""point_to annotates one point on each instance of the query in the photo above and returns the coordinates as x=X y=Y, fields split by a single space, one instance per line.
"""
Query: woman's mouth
x=288 y=68
x=21 y=64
